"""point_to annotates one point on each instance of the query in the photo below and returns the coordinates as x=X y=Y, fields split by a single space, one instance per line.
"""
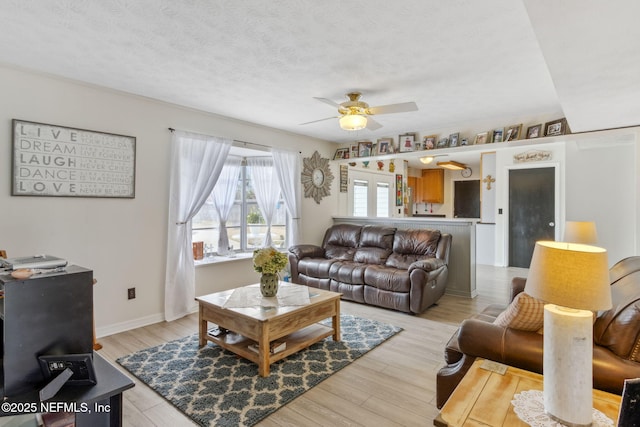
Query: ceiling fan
x=355 y=114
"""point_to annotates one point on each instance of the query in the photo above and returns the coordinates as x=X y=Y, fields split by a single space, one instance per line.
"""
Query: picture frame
x=453 y=139
x=512 y=133
x=354 y=151
x=498 y=134
x=556 y=127
x=341 y=153
x=365 y=148
x=406 y=142
x=534 y=131
x=481 y=138
x=429 y=142
x=385 y=146
x=88 y=163
x=443 y=143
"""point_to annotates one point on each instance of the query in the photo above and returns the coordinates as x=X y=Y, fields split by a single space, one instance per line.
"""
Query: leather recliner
x=616 y=336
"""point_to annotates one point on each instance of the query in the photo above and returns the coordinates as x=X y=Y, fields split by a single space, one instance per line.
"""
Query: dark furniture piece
x=95 y=405
x=52 y=314
x=616 y=334
x=45 y=314
x=404 y=270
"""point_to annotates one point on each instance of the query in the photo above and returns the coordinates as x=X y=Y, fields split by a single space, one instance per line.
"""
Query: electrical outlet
x=131 y=293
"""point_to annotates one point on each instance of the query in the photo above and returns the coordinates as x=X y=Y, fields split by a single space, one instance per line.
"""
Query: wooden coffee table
x=297 y=325
x=483 y=398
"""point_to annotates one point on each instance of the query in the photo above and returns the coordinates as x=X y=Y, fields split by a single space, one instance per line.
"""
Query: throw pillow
x=525 y=313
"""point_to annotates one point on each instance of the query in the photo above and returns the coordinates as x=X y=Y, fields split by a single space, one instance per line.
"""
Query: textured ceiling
x=263 y=62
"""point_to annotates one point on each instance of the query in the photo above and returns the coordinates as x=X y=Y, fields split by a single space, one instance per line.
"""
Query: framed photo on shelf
x=534 y=131
x=512 y=133
x=443 y=143
x=354 y=151
x=429 y=142
x=406 y=142
x=481 y=138
x=385 y=146
x=453 y=139
x=341 y=153
x=365 y=148
x=498 y=134
x=556 y=127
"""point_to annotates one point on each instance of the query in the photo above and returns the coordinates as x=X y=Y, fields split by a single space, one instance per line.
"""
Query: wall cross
x=488 y=180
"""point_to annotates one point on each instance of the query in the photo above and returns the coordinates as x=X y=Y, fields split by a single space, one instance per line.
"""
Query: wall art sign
x=532 y=156
x=50 y=160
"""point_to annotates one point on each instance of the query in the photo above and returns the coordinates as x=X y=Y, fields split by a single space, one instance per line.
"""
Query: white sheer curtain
x=265 y=184
x=196 y=163
x=288 y=166
x=224 y=194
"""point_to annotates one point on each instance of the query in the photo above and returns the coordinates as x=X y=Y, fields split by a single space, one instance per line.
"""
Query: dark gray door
x=531 y=212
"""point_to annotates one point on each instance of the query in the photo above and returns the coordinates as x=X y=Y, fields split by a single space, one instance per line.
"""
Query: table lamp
x=580 y=232
x=573 y=280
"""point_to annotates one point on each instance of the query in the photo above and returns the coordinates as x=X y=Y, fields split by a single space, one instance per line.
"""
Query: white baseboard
x=116 y=328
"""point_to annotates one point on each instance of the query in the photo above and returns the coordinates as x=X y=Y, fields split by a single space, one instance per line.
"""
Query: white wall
x=601 y=186
x=124 y=240
x=597 y=181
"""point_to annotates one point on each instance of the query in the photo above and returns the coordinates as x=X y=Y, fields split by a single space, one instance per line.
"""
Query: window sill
x=222 y=259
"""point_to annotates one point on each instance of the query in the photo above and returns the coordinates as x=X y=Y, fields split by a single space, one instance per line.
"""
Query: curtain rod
x=245 y=143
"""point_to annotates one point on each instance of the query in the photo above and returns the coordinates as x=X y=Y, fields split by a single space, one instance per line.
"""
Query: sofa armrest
x=429 y=264
x=522 y=349
x=307 y=251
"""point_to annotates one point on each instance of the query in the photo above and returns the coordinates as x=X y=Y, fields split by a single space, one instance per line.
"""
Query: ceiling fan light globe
x=353 y=122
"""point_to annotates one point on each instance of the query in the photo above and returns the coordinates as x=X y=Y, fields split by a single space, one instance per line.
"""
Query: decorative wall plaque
x=532 y=156
x=51 y=160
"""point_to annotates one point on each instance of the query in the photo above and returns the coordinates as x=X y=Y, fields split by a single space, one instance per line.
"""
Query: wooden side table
x=484 y=397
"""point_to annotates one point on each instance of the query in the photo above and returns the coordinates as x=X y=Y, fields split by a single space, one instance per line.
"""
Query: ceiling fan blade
x=328 y=101
x=321 y=120
x=372 y=124
x=394 y=108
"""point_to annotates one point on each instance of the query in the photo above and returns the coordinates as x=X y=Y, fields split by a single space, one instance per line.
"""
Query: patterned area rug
x=215 y=387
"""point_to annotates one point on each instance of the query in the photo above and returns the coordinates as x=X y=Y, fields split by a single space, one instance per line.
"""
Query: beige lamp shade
x=580 y=232
x=570 y=275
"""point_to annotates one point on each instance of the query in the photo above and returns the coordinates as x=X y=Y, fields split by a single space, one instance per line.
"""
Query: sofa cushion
x=348 y=272
x=618 y=329
x=387 y=278
x=525 y=313
x=375 y=244
x=413 y=245
x=341 y=240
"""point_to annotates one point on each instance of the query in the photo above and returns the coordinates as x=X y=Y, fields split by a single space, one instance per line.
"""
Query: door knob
x=552 y=224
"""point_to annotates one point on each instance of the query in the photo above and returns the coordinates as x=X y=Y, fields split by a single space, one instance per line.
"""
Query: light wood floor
x=393 y=385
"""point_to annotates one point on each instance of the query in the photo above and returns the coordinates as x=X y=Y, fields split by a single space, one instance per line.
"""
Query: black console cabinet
x=45 y=314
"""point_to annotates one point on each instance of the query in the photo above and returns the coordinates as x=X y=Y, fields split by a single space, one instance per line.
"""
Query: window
x=246 y=227
x=360 y=197
x=382 y=199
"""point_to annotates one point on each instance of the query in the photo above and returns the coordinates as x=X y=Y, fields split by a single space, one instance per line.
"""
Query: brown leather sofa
x=616 y=335
x=404 y=270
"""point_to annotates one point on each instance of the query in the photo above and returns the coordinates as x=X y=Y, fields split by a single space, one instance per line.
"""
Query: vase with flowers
x=269 y=262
